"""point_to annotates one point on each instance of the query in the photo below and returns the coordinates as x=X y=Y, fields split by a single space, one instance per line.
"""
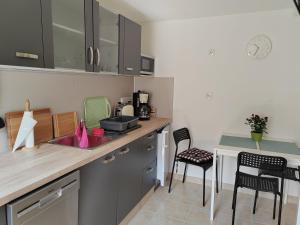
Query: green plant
x=258 y=124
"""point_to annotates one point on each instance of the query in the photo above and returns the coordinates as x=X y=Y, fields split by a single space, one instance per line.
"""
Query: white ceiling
x=156 y=10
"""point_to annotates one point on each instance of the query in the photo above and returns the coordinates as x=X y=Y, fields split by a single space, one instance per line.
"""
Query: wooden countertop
x=27 y=170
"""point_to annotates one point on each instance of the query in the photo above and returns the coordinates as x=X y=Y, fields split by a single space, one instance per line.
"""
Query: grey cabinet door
x=130 y=180
x=98 y=192
x=106 y=40
x=148 y=148
x=2 y=215
x=130 y=47
x=72 y=22
x=21 y=39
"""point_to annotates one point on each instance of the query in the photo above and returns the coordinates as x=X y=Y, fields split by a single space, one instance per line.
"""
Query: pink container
x=97 y=132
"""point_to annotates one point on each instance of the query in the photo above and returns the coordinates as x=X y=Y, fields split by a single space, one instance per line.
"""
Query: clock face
x=259 y=47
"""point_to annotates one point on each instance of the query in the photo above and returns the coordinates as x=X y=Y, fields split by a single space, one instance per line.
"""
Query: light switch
x=209 y=95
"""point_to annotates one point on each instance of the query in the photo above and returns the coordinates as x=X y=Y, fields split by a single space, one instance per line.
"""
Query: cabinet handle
x=150 y=148
x=91 y=52
x=129 y=68
x=124 y=151
x=149 y=170
x=26 y=55
x=109 y=159
x=98 y=56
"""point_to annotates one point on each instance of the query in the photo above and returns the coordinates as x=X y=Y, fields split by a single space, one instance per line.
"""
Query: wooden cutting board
x=65 y=124
x=43 y=131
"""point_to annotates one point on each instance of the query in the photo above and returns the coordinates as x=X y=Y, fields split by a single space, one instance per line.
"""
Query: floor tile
x=183 y=206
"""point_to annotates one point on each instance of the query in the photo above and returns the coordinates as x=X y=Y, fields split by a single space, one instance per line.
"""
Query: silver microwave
x=147 y=65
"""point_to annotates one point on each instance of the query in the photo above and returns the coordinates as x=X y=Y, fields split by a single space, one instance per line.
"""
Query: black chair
x=192 y=156
x=289 y=173
x=259 y=183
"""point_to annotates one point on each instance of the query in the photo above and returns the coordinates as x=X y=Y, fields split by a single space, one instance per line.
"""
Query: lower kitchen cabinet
x=98 y=192
x=130 y=179
x=2 y=215
x=113 y=185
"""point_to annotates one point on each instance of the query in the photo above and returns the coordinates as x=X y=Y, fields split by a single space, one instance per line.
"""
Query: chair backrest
x=181 y=135
x=261 y=161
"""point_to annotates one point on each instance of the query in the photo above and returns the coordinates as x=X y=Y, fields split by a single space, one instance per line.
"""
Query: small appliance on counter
x=124 y=107
x=147 y=65
x=141 y=105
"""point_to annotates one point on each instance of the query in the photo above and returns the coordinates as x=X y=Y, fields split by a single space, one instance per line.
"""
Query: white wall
x=239 y=84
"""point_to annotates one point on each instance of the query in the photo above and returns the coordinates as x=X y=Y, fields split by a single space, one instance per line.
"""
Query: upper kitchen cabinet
x=130 y=47
x=106 y=40
x=72 y=22
x=26 y=33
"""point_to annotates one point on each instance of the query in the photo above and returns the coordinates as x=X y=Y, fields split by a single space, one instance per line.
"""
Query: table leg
x=213 y=181
x=286 y=189
x=221 y=172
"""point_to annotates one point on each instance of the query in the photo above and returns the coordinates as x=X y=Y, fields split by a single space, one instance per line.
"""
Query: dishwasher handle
x=52 y=197
x=47 y=200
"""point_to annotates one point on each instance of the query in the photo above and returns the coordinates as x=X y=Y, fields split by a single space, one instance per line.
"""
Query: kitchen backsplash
x=60 y=91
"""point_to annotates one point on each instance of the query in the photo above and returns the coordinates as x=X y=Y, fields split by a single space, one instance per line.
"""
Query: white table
x=231 y=146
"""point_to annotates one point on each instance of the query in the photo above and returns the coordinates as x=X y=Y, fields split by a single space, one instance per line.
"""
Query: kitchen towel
x=26 y=132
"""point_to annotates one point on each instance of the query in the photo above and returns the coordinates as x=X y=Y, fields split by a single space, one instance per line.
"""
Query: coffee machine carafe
x=141 y=105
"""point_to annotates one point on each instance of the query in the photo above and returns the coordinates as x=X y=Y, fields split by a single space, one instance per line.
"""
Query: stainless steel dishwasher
x=54 y=204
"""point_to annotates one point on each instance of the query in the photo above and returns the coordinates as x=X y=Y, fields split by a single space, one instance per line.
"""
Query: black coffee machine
x=141 y=105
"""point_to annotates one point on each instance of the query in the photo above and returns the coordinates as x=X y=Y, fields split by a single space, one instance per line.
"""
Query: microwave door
x=147 y=66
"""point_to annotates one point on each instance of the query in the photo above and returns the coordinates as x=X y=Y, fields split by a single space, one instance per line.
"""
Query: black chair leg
x=203 y=198
x=234 y=196
x=255 y=201
x=184 y=175
x=170 y=185
x=217 y=177
x=274 y=208
x=234 y=204
x=280 y=203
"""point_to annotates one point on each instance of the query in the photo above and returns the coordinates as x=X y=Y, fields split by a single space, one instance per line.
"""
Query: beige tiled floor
x=184 y=207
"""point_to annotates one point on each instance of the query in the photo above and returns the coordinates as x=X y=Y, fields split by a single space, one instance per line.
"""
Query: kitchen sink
x=94 y=141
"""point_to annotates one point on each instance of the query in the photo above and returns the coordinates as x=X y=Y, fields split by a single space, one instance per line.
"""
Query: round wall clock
x=259 y=47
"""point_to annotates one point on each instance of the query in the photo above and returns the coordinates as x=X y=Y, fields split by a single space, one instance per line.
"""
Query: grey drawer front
x=149 y=177
x=149 y=148
x=150 y=138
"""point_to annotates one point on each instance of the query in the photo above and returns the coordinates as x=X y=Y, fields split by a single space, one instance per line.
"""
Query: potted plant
x=258 y=126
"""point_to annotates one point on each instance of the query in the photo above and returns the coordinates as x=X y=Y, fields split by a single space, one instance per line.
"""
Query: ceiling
x=157 y=10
